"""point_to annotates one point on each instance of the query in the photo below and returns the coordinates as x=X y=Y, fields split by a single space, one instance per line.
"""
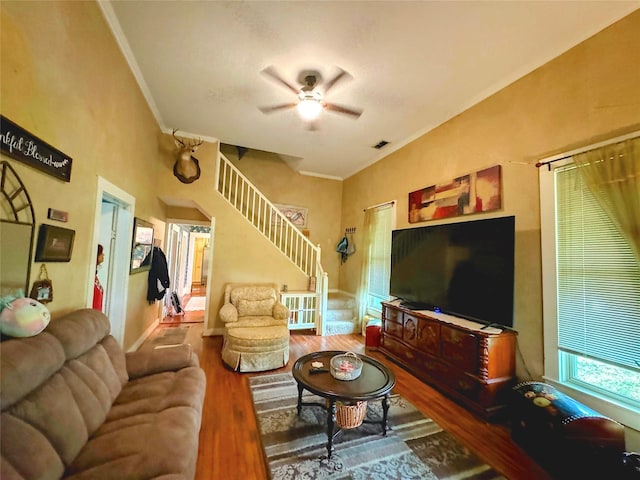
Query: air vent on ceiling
x=380 y=144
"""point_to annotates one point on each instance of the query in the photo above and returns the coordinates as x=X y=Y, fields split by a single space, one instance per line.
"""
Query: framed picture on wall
x=55 y=244
x=296 y=215
x=141 y=246
x=472 y=193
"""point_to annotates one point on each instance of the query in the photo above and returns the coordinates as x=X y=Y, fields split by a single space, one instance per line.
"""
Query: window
x=379 y=261
x=591 y=287
x=598 y=292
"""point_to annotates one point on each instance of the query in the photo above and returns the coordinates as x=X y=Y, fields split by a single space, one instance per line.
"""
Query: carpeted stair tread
x=342 y=314
x=340 y=328
x=341 y=317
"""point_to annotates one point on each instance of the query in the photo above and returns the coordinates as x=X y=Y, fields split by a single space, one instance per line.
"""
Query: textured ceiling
x=413 y=65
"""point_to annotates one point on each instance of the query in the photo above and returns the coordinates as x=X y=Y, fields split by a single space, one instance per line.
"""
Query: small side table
x=375 y=382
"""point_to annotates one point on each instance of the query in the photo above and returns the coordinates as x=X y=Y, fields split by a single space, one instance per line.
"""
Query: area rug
x=195 y=304
x=414 y=448
x=170 y=336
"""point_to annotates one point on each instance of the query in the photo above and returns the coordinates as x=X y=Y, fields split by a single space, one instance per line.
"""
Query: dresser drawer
x=459 y=348
x=428 y=337
x=392 y=315
x=392 y=328
x=398 y=349
x=461 y=382
x=410 y=329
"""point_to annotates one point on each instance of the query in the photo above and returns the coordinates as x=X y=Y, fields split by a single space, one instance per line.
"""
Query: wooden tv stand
x=475 y=367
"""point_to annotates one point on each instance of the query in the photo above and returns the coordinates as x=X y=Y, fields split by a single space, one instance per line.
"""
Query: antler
x=176 y=138
x=191 y=146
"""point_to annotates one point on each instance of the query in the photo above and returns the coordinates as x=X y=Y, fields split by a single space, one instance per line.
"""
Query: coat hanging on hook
x=346 y=245
x=342 y=247
x=351 y=246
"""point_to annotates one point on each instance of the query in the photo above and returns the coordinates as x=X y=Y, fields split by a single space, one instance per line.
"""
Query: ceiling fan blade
x=339 y=109
x=341 y=74
x=271 y=72
x=275 y=108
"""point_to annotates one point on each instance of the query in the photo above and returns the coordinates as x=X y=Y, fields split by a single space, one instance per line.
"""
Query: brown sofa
x=75 y=406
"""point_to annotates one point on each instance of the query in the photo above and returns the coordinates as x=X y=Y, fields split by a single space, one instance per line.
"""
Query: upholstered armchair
x=256 y=334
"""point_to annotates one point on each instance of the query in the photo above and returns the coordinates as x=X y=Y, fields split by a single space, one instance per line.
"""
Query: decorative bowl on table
x=345 y=366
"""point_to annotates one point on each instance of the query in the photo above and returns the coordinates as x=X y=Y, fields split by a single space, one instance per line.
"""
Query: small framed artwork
x=141 y=246
x=55 y=244
x=296 y=215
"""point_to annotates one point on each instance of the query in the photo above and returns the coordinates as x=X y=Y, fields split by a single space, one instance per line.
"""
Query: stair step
x=344 y=314
x=340 y=328
x=336 y=301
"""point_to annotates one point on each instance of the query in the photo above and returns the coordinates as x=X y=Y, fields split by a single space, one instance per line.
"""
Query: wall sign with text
x=21 y=145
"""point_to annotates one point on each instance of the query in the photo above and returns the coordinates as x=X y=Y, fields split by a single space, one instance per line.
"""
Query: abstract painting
x=473 y=193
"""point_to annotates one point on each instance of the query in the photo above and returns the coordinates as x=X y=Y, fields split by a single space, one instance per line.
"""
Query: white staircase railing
x=277 y=228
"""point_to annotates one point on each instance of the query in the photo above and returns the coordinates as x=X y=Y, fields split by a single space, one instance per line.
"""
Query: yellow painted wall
x=65 y=80
x=186 y=213
x=240 y=253
x=586 y=95
x=321 y=196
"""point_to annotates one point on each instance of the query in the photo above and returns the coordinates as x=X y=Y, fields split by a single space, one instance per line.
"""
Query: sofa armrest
x=228 y=313
x=280 y=312
x=167 y=359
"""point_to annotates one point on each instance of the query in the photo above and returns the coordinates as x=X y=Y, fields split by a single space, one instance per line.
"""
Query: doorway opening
x=113 y=227
x=188 y=260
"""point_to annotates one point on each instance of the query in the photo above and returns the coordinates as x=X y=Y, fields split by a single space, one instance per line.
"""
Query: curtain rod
x=549 y=162
x=589 y=148
x=392 y=202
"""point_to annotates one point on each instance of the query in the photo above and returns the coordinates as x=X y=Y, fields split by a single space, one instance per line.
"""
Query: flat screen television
x=463 y=269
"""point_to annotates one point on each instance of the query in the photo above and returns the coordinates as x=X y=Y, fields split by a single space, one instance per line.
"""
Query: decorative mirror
x=17 y=224
x=141 y=246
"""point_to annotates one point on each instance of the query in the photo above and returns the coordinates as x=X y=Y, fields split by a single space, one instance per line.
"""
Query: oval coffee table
x=375 y=382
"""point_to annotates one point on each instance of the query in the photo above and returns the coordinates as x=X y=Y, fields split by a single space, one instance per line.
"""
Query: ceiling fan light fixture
x=310 y=105
x=309 y=109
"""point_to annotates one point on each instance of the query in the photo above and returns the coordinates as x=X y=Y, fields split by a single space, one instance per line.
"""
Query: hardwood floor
x=230 y=445
x=196 y=316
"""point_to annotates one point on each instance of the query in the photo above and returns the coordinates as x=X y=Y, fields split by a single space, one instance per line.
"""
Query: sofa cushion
x=148 y=446
x=165 y=410
x=80 y=330
x=255 y=307
x=31 y=457
x=52 y=410
x=95 y=385
x=25 y=364
x=155 y=393
x=168 y=359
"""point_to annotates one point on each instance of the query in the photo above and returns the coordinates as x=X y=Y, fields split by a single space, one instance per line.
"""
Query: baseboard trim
x=144 y=336
x=210 y=332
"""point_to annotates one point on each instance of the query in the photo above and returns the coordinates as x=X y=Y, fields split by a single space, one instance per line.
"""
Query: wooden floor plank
x=230 y=445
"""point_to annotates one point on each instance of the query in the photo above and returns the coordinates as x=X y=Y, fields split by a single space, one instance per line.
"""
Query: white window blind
x=380 y=256
x=598 y=278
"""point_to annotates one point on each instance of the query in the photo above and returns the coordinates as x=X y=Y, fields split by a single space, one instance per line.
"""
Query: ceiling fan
x=310 y=101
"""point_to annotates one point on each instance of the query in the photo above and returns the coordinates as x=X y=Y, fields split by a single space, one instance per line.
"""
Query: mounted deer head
x=186 y=169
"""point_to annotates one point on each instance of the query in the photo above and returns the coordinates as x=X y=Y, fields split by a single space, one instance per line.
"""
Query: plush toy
x=22 y=317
